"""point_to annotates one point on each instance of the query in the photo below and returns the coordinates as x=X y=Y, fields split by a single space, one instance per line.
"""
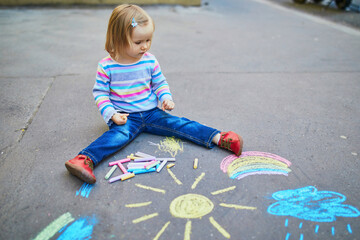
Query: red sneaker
x=82 y=167
x=231 y=141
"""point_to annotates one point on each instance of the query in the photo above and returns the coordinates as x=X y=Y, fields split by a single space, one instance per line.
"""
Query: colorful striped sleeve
x=101 y=92
x=159 y=83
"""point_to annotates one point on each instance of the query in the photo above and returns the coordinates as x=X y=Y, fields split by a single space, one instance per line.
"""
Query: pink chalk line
x=227 y=161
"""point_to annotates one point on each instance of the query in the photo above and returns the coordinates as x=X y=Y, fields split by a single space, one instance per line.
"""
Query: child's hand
x=168 y=105
x=119 y=119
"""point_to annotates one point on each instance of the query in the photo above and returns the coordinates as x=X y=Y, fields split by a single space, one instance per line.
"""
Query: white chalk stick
x=163 y=163
x=167 y=159
x=143 y=155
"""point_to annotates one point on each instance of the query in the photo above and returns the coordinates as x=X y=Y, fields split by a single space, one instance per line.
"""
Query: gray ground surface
x=328 y=10
x=286 y=81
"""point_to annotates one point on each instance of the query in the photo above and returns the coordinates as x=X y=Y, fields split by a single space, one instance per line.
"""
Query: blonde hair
x=118 y=36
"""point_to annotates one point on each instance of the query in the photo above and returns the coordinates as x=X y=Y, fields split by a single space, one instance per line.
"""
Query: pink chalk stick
x=137 y=165
x=146 y=159
x=119 y=161
x=123 y=169
x=149 y=163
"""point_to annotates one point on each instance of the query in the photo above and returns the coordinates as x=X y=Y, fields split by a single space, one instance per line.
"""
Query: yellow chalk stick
x=196 y=161
x=132 y=157
x=170 y=165
x=128 y=176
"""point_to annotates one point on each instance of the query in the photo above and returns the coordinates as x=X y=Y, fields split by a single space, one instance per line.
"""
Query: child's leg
x=117 y=137
x=162 y=123
x=110 y=142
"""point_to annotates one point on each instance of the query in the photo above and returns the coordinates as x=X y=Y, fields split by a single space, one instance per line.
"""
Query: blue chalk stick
x=140 y=171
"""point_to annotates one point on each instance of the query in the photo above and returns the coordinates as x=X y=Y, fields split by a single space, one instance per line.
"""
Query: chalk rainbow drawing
x=310 y=204
x=81 y=229
x=55 y=226
x=254 y=163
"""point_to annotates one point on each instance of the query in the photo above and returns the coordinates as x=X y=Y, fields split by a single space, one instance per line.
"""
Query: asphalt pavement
x=328 y=10
x=287 y=81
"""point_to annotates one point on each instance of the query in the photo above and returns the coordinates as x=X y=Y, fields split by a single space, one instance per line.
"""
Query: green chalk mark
x=55 y=226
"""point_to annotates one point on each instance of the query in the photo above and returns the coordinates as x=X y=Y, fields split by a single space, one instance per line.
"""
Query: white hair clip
x=134 y=23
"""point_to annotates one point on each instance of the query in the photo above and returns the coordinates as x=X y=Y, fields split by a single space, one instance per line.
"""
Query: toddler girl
x=129 y=84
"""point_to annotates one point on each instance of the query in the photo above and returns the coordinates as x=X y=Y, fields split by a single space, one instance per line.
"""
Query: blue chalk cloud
x=310 y=204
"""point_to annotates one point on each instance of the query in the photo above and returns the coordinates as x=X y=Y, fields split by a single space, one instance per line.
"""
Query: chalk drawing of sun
x=189 y=206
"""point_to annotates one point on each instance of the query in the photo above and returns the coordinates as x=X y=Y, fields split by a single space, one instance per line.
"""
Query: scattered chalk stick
x=132 y=157
x=123 y=169
x=149 y=163
x=129 y=169
x=119 y=161
x=167 y=159
x=117 y=178
x=170 y=165
x=130 y=175
x=112 y=170
x=145 y=159
x=137 y=165
x=142 y=155
x=161 y=166
x=153 y=164
x=196 y=162
x=140 y=171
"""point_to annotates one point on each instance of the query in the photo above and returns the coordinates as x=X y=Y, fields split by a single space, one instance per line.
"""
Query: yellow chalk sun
x=188 y=206
x=191 y=206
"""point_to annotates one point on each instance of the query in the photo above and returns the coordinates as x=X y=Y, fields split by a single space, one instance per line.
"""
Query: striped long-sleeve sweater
x=129 y=88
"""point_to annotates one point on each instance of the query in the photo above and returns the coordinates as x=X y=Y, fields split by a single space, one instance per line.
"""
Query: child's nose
x=145 y=46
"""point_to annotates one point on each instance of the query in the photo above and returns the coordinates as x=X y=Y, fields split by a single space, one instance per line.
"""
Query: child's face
x=140 y=41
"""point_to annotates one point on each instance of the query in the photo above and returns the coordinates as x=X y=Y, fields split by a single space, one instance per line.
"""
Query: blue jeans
x=153 y=121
